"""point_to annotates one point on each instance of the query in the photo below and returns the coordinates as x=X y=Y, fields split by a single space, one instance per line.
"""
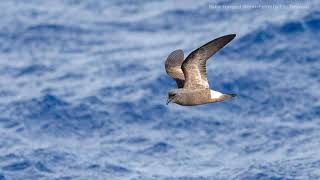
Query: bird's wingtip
x=232 y=35
x=229 y=36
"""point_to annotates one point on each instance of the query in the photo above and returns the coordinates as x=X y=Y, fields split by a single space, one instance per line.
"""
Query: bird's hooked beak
x=170 y=99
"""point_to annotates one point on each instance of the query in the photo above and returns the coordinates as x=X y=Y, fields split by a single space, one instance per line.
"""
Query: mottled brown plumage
x=191 y=74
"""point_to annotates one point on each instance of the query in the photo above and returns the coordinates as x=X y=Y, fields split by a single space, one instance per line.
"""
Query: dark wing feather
x=194 y=67
x=173 y=67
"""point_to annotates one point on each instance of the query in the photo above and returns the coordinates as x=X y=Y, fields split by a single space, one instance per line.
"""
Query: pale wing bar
x=194 y=67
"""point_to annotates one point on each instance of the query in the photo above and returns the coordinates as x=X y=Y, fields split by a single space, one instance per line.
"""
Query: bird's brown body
x=196 y=97
x=192 y=97
x=191 y=75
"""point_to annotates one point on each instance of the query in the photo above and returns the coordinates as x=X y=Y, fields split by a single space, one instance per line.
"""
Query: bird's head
x=172 y=97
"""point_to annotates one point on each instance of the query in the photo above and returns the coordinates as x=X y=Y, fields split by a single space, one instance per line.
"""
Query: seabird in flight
x=191 y=75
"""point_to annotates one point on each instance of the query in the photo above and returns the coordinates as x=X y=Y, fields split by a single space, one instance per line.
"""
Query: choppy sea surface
x=83 y=91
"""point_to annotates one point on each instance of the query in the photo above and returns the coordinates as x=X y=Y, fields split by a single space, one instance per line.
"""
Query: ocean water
x=83 y=91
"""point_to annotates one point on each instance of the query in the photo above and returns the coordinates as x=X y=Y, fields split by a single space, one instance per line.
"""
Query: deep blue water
x=83 y=91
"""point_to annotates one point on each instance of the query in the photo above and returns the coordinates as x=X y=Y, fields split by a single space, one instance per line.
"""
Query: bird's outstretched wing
x=194 y=67
x=173 y=66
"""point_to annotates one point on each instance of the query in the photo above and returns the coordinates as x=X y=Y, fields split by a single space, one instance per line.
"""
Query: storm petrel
x=191 y=75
